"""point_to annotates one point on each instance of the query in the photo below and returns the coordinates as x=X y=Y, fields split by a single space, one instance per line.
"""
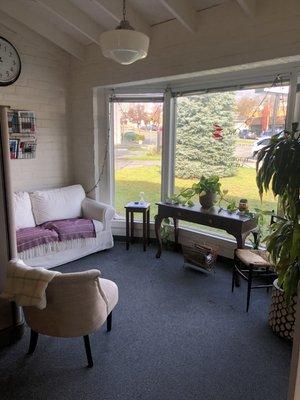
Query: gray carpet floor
x=177 y=335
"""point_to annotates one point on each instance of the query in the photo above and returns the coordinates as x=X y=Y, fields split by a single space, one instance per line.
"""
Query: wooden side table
x=137 y=207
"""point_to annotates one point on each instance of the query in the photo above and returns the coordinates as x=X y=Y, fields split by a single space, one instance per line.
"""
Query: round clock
x=10 y=63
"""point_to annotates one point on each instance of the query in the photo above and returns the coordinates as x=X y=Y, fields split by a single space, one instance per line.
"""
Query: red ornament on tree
x=217 y=134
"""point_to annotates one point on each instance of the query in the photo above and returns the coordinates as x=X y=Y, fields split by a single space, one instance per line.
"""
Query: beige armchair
x=77 y=305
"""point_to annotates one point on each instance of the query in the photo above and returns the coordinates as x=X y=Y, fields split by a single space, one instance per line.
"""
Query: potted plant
x=278 y=169
x=206 y=188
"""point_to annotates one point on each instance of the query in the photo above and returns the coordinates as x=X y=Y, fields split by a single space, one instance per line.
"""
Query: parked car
x=260 y=144
x=246 y=134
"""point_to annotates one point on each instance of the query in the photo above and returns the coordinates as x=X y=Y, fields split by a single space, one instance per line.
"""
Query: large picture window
x=221 y=133
x=216 y=133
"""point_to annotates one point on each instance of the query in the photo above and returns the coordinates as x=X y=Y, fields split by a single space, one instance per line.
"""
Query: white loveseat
x=34 y=209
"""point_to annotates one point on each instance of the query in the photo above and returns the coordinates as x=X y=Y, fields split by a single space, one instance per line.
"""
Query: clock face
x=10 y=63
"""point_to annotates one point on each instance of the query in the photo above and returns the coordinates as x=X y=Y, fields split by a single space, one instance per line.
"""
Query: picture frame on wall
x=14 y=148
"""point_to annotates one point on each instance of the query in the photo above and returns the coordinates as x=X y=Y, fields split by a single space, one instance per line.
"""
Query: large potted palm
x=278 y=170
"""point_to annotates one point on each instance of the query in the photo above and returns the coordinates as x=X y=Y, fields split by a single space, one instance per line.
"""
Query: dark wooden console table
x=235 y=224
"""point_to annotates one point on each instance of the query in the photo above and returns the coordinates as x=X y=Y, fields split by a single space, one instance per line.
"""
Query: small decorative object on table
x=200 y=256
x=243 y=206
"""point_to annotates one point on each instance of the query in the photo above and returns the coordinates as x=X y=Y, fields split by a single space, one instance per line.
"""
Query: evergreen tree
x=197 y=152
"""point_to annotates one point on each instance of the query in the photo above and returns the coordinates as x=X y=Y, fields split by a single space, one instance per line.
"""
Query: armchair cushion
x=93 y=209
x=75 y=306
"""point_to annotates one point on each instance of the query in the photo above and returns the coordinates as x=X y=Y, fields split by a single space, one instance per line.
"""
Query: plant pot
x=208 y=200
x=282 y=315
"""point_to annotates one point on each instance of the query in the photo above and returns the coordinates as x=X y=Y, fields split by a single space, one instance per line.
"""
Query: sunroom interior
x=111 y=142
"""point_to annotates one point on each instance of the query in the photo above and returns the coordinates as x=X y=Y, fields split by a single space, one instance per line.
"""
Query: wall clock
x=10 y=63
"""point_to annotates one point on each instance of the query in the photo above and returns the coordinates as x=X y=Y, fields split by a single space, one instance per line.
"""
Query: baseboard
x=153 y=241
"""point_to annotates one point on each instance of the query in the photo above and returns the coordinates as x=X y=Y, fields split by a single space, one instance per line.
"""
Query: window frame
x=170 y=95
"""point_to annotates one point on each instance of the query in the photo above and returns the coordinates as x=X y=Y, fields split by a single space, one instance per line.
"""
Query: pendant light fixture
x=124 y=44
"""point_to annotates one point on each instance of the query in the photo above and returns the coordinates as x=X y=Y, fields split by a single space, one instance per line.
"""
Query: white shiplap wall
x=43 y=87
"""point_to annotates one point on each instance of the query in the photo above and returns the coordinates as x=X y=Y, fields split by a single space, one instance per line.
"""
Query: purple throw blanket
x=73 y=228
x=32 y=237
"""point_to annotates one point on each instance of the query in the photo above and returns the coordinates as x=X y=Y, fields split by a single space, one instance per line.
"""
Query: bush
x=132 y=136
x=197 y=153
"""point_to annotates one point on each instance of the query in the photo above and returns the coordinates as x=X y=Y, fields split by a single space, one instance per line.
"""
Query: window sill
x=225 y=245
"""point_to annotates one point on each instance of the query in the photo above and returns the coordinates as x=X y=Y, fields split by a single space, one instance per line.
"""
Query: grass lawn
x=131 y=181
x=144 y=157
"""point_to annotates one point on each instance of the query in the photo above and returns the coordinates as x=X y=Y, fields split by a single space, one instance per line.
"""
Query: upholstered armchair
x=77 y=305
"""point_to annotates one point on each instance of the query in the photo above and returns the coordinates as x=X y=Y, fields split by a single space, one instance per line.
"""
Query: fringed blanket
x=32 y=237
x=54 y=232
x=73 y=228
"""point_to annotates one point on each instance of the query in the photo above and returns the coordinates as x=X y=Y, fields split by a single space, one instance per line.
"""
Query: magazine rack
x=22 y=134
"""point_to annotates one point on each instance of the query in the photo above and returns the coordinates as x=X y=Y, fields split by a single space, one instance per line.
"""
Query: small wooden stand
x=138 y=207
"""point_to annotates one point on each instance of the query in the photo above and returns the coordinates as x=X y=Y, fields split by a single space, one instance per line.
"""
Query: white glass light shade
x=124 y=46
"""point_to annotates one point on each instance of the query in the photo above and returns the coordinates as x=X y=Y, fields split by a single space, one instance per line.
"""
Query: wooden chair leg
x=109 y=322
x=249 y=288
x=88 y=351
x=33 y=341
x=267 y=272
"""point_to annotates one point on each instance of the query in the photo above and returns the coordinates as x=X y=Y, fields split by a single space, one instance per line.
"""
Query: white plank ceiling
x=74 y=24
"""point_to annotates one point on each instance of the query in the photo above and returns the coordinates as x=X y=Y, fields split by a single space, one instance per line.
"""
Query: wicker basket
x=200 y=256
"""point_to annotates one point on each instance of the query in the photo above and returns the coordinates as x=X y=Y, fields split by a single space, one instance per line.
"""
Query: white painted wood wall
x=43 y=87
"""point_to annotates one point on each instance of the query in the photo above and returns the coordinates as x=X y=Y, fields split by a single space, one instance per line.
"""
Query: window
x=220 y=134
x=137 y=152
x=217 y=133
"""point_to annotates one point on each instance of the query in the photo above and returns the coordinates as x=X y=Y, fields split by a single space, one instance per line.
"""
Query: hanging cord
x=102 y=169
x=277 y=79
x=124 y=10
x=106 y=150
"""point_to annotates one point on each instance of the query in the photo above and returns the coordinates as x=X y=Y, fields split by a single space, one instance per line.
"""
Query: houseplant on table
x=278 y=169
x=206 y=188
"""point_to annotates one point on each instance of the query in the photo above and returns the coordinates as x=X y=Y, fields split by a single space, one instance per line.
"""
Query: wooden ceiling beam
x=74 y=17
x=183 y=12
x=26 y=14
x=248 y=6
x=114 y=9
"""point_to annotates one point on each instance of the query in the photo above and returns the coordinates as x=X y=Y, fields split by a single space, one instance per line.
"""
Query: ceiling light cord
x=124 y=10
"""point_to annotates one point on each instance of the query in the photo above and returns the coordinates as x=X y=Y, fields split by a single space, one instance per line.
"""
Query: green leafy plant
x=231 y=204
x=166 y=230
x=261 y=223
x=205 y=185
x=278 y=169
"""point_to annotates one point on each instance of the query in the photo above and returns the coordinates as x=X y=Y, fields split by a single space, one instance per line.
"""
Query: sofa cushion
x=31 y=237
x=23 y=211
x=57 y=204
x=73 y=228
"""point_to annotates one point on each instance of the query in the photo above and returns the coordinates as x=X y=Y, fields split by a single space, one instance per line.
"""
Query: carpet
x=177 y=334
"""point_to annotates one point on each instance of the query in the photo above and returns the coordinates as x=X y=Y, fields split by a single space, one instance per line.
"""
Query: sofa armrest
x=93 y=209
